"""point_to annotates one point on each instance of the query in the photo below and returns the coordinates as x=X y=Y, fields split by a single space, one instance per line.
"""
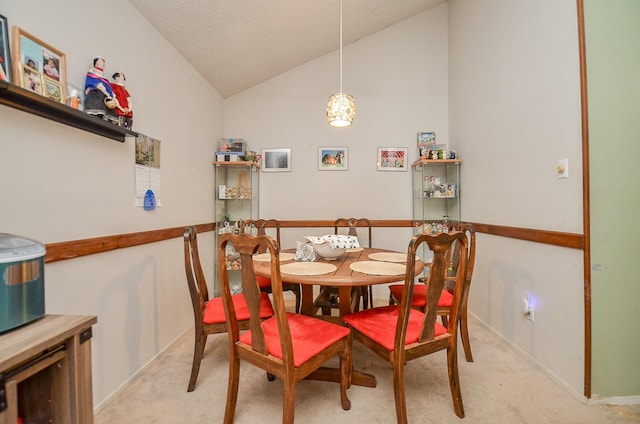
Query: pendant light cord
x=341 y=46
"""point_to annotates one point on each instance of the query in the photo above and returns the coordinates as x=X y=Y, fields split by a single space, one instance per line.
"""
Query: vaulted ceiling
x=236 y=44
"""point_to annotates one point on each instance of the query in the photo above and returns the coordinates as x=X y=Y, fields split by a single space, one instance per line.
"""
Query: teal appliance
x=21 y=281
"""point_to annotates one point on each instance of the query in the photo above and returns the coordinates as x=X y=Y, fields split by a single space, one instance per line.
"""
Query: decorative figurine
x=99 y=99
x=124 y=110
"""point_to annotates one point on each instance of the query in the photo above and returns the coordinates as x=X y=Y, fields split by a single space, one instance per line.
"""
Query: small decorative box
x=229 y=156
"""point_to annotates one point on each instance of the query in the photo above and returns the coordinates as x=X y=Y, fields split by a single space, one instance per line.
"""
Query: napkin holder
x=304 y=252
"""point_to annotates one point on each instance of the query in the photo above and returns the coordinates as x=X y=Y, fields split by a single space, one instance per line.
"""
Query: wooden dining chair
x=444 y=304
x=265 y=283
x=288 y=345
x=208 y=314
x=328 y=297
x=401 y=333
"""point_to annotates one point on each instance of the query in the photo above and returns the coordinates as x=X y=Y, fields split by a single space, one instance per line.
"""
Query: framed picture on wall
x=392 y=159
x=276 y=160
x=32 y=55
x=5 y=55
x=333 y=158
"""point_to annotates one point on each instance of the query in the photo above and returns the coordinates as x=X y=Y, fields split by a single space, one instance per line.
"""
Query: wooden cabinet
x=45 y=371
x=237 y=186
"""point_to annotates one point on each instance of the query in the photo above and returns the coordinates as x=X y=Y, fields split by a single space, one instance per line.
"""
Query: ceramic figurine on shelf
x=124 y=110
x=99 y=99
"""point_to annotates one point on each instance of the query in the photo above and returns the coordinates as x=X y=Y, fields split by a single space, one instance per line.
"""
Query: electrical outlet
x=527 y=307
x=563 y=168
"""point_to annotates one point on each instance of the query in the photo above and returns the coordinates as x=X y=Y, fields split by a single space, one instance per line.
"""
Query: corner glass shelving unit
x=237 y=187
x=436 y=196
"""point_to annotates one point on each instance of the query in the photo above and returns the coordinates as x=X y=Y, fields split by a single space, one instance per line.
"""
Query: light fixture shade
x=341 y=110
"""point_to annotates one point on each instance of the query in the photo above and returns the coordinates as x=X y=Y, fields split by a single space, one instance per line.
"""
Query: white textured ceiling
x=236 y=44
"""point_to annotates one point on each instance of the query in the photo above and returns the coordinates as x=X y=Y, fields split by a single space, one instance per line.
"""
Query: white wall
x=60 y=183
x=398 y=92
x=398 y=78
x=514 y=107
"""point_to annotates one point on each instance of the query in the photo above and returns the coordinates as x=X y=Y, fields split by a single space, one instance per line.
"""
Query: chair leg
x=445 y=320
x=232 y=388
x=345 y=372
x=289 y=407
x=364 y=293
x=398 y=390
x=454 y=380
x=464 y=334
x=198 y=352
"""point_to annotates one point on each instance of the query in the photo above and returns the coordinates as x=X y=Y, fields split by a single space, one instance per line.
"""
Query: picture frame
x=333 y=158
x=393 y=159
x=276 y=160
x=52 y=89
x=5 y=52
x=29 y=54
x=30 y=79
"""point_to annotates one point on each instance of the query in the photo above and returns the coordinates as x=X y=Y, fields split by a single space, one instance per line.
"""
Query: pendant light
x=341 y=108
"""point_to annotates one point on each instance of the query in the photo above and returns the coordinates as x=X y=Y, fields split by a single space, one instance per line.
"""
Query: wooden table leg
x=344 y=295
x=306 y=307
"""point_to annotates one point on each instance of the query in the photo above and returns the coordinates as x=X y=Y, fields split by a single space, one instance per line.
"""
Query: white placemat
x=307 y=268
x=266 y=257
x=388 y=256
x=378 y=268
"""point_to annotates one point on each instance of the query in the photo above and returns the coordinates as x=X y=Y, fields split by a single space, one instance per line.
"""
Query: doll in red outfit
x=124 y=110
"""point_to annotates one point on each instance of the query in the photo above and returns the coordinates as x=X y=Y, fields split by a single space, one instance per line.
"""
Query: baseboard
x=614 y=400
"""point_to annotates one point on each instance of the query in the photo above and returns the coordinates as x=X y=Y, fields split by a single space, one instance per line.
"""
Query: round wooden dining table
x=377 y=266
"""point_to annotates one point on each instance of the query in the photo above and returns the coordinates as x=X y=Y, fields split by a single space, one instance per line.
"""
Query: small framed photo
x=333 y=158
x=276 y=160
x=5 y=55
x=36 y=55
x=392 y=159
x=30 y=79
x=52 y=89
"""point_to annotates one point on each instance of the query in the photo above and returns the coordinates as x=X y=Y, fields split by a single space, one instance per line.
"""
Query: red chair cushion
x=379 y=324
x=420 y=295
x=263 y=281
x=309 y=336
x=214 y=311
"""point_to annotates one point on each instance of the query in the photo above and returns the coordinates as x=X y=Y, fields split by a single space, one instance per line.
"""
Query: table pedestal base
x=358 y=378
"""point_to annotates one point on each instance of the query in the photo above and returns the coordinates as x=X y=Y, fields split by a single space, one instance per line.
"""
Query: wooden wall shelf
x=26 y=101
